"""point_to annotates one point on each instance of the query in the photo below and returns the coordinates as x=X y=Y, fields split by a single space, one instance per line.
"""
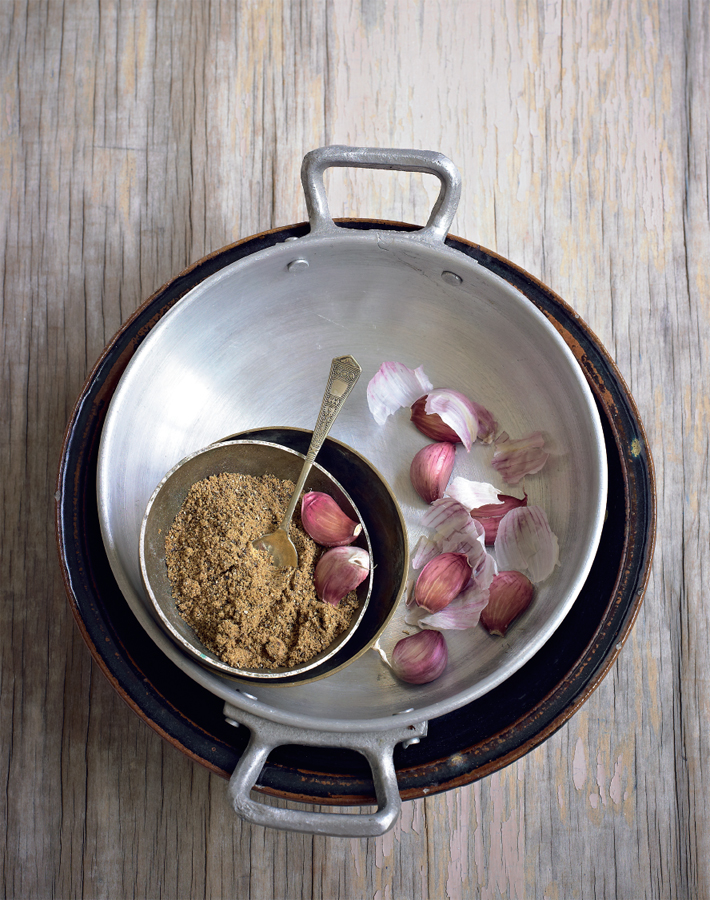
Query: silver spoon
x=344 y=373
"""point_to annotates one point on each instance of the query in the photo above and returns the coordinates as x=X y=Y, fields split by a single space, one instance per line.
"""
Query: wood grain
x=135 y=137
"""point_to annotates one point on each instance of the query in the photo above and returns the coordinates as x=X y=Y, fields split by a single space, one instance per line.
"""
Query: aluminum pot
x=380 y=294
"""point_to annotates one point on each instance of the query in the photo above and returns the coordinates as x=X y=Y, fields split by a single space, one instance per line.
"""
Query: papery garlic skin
x=325 y=522
x=393 y=386
x=513 y=460
x=456 y=531
x=490 y=516
x=426 y=549
x=339 y=571
x=485 y=503
x=472 y=494
x=421 y=657
x=525 y=543
x=509 y=595
x=446 y=415
x=463 y=612
x=442 y=579
x=487 y=425
x=431 y=469
x=485 y=572
x=446 y=516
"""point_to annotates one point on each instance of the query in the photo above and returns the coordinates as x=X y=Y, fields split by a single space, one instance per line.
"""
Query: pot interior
x=248 y=349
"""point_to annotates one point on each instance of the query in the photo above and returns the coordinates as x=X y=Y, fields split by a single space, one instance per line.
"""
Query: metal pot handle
x=317 y=161
x=376 y=746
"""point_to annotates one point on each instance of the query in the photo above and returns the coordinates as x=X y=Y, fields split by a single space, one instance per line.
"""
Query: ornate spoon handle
x=344 y=373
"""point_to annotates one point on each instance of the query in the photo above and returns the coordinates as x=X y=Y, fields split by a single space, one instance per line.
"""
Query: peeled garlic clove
x=393 y=386
x=442 y=579
x=431 y=469
x=421 y=657
x=510 y=594
x=339 y=571
x=446 y=415
x=325 y=521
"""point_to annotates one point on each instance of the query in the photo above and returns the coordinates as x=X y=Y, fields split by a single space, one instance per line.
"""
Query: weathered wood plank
x=135 y=138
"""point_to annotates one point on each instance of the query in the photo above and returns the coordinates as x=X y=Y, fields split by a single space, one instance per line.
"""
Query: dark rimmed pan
x=460 y=747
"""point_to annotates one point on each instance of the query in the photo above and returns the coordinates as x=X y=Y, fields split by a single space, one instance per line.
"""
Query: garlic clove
x=442 y=579
x=325 y=521
x=431 y=424
x=339 y=571
x=393 y=386
x=509 y=596
x=516 y=459
x=421 y=657
x=525 y=542
x=431 y=469
x=446 y=415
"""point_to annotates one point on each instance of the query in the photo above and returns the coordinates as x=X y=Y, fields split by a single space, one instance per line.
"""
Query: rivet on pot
x=298 y=265
x=451 y=277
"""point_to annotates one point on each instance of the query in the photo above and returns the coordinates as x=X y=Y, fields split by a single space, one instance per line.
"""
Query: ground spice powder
x=250 y=614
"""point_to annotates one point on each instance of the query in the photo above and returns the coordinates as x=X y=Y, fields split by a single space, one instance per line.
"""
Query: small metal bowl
x=376 y=509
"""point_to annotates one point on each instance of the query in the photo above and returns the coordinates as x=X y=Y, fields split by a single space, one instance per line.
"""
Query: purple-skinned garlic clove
x=431 y=469
x=509 y=595
x=441 y=580
x=421 y=657
x=339 y=571
x=446 y=415
x=325 y=521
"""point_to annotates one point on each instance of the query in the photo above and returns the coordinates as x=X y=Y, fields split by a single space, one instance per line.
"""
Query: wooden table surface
x=136 y=137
